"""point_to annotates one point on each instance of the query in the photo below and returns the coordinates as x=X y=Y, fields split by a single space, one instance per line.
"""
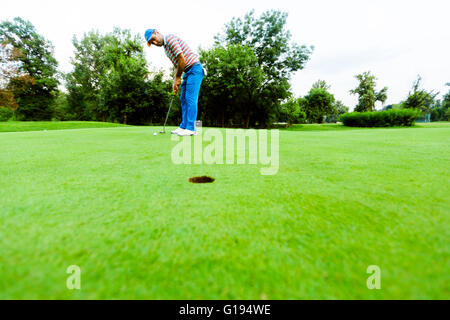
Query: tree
x=32 y=74
x=61 y=108
x=5 y=114
x=446 y=105
x=9 y=64
x=110 y=80
x=321 y=84
x=83 y=83
x=291 y=113
x=231 y=89
x=124 y=86
x=336 y=110
x=8 y=70
x=158 y=93
x=317 y=104
x=275 y=55
x=419 y=98
x=439 y=111
x=367 y=96
x=447 y=115
x=446 y=102
x=339 y=109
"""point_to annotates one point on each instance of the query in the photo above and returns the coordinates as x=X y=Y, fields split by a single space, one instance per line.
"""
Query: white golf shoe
x=186 y=133
x=176 y=131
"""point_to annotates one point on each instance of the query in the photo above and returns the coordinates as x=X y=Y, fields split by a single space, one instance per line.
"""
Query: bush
x=61 y=109
x=447 y=115
x=390 y=118
x=332 y=118
x=5 y=114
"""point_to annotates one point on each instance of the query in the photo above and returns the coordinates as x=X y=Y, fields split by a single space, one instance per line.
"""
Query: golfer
x=184 y=60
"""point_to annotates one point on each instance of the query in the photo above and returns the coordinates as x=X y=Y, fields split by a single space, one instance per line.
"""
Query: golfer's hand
x=176 y=85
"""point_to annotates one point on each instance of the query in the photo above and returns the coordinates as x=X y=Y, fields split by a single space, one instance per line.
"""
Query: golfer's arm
x=180 y=66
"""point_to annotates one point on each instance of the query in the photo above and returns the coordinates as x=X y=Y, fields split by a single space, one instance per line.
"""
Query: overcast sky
x=395 y=39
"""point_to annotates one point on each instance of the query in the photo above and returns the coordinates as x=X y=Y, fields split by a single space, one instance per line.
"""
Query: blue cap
x=148 y=34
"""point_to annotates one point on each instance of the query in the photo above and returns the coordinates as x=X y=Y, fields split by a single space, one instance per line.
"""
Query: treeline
x=319 y=105
x=425 y=101
x=248 y=83
x=109 y=82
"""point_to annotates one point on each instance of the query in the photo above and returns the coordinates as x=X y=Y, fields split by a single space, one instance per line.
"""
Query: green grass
x=111 y=201
x=333 y=126
x=440 y=124
x=318 y=127
x=16 y=126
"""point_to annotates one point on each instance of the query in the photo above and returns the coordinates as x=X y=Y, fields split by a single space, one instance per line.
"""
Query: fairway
x=111 y=201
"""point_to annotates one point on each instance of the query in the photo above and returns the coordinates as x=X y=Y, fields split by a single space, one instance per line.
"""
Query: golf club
x=167 y=117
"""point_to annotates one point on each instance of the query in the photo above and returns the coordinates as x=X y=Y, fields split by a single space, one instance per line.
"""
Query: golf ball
x=155 y=134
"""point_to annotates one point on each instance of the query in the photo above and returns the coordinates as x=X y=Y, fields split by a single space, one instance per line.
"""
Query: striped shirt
x=174 y=46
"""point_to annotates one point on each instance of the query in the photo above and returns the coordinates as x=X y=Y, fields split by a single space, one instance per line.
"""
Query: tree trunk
x=125 y=118
x=103 y=118
x=247 y=120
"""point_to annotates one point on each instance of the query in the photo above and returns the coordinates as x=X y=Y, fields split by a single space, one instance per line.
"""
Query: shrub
x=5 y=114
x=390 y=118
x=301 y=117
x=447 y=114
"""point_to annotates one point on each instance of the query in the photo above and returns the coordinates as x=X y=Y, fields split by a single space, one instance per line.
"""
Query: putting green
x=111 y=201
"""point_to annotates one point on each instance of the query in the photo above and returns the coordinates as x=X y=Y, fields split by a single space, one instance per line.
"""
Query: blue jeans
x=190 y=89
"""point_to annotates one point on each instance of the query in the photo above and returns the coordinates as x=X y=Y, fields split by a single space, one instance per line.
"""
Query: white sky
x=395 y=39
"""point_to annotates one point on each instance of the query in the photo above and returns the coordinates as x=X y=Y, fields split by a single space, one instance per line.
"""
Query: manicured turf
x=318 y=127
x=16 y=126
x=111 y=201
x=333 y=126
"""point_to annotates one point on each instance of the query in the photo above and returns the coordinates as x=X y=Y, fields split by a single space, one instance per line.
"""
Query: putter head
x=162 y=132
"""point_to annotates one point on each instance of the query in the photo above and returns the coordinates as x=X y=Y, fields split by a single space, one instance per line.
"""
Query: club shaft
x=168 y=112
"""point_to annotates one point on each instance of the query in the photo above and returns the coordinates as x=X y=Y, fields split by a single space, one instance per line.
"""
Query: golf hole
x=203 y=179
